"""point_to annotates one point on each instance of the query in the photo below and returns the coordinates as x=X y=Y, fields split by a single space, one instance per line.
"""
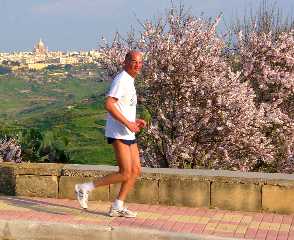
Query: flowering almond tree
x=201 y=114
x=10 y=150
x=267 y=64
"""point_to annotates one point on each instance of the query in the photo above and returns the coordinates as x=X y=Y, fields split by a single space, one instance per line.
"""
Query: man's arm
x=111 y=108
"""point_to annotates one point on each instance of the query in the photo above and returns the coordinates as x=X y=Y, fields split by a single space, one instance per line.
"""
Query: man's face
x=134 y=65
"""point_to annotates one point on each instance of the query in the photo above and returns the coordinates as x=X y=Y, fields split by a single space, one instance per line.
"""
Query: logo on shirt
x=133 y=100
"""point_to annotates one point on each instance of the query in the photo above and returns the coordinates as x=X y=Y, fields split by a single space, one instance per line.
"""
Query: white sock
x=88 y=186
x=118 y=204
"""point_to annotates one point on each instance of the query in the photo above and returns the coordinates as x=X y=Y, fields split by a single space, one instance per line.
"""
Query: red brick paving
x=265 y=226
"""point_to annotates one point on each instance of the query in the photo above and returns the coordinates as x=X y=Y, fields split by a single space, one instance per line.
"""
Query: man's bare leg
x=124 y=160
x=127 y=186
x=118 y=208
x=127 y=157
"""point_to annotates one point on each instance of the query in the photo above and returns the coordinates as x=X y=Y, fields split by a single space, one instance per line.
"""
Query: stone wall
x=191 y=188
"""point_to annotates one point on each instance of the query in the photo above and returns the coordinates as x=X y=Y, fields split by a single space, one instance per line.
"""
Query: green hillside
x=69 y=112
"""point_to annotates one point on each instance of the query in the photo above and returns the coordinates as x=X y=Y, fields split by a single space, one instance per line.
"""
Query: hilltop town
x=43 y=65
x=40 y=58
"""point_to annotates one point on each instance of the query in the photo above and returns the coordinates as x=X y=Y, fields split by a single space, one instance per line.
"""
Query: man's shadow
x=7 y=189
x=42 y=206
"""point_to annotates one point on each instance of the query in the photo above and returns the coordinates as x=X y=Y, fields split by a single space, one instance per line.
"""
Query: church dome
x=40 y=43
x=40 y=48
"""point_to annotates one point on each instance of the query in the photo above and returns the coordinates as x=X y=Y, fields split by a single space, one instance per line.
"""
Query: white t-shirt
x=123 y=89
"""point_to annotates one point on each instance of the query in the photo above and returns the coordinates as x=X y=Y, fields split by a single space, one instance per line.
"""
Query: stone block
x=36 y=186
x=7 y=180
x=67 y=184
x=144 y=191
x=236 y=196
x=278 y=199
x=181 y=191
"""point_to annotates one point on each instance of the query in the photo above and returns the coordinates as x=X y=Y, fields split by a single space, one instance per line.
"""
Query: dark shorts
x=128 y=142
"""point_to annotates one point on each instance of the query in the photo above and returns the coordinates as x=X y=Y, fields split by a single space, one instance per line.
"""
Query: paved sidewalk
x=198 y=221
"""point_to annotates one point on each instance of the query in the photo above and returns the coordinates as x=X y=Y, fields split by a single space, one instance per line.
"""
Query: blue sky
x=80 y=24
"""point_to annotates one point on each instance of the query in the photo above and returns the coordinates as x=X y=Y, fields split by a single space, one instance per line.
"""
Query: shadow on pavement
x=46 y=207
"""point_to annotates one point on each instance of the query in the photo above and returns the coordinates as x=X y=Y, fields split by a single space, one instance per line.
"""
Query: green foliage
x=145 y=114
x=30 y=140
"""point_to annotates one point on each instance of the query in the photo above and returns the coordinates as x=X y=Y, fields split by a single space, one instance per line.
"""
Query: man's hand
x=141 y=123
x=133 y=126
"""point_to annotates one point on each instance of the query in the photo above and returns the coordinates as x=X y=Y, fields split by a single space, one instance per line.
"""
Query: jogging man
x=121 y=126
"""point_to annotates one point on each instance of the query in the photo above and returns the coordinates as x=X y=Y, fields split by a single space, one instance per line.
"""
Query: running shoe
x=82 y=196
x=124 y=212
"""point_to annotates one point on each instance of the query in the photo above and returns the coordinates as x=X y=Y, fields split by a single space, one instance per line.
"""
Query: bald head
x=131 y=54
x=133 y=63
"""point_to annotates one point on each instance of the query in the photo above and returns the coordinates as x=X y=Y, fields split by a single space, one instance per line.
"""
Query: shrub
x=10 y=150
x=267 y=64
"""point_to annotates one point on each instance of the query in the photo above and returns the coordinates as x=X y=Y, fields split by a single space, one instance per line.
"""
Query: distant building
x=40 y=48
x=37 y=66
x=68 y=60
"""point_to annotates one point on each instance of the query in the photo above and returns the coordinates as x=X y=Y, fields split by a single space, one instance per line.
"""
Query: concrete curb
x=37 y=230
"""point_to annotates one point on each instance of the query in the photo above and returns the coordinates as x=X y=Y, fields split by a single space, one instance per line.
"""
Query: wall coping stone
x=53 y=169
x=79 y=170
x=40 y=169
x=195 y=174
